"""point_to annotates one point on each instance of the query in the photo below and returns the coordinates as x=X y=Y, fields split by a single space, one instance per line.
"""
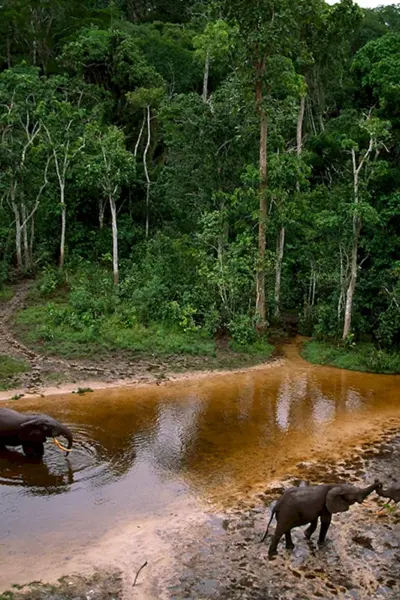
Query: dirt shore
x=52 y=375
x=200 y=552
x=219 y=557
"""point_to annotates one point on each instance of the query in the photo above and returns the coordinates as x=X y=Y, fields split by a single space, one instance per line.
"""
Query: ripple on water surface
x=137 y=449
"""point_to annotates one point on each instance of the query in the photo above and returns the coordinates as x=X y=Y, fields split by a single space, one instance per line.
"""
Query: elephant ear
x=36 y=421
x=335 y=502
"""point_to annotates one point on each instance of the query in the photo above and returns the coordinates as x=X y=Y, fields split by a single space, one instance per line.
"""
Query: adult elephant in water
x=31 y=431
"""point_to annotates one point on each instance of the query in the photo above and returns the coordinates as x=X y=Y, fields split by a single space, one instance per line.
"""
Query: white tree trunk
x=300 y=120
x=115 y=239
x=261 y=308
x=353 y=277
x=63 y=226
x=356 y=236
x=146 y=171
x=205 y=76
x=32 y=238
x=18 y=236
x=25 y=235
x=280 y=245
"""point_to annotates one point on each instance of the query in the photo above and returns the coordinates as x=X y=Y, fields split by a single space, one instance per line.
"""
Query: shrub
x=242 y=328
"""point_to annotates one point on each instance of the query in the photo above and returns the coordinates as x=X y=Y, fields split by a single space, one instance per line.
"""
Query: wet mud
x=360 y=560
x=182 y=475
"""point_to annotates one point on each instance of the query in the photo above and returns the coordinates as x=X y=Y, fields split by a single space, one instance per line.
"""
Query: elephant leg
x=33 y=449
x=289 y=541
x=311 y=528
x=325 y=522
x=279 y=531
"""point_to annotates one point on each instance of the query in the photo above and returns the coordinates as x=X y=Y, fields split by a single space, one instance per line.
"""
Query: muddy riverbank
x=179 y=475
x=220 y=557
x=48 y=375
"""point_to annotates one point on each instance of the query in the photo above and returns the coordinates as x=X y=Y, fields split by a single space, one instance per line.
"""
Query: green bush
x=357 y=357
x=9 y=368
x=243 y=330
x=49 y=281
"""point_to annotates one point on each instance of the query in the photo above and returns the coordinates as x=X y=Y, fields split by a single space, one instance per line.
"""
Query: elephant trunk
x=374 y=486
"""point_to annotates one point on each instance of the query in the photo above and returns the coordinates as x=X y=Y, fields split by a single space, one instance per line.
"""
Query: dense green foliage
x=132 y=179
x=356 y=357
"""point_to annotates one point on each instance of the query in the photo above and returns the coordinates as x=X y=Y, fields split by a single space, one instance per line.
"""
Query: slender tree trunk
x=34 y=49
x=357 y=224
x=32 y=238
x=300 y=120
x=63 y=225
x=115 y=239
x=102 y=208
x=280 y=245
x=148 y=182
x=18 y=236
x=205 y=76
x=140 y=135
x=353 y=260
x=262 y=223
x=25 y=235
x=353 y=277
x=8 y=52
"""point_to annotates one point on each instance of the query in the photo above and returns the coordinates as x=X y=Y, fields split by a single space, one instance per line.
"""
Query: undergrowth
x=358 y=357
x=9 y=368
x=6 y=293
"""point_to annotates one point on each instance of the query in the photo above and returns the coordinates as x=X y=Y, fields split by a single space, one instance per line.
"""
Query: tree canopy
x=233 y=162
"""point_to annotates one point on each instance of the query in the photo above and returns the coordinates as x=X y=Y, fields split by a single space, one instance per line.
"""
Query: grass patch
x=56 y=377
x=36 y=329
x=10 y=368
x=6 y=293
x=260 y=348
x=82 y=391
x=363 y=357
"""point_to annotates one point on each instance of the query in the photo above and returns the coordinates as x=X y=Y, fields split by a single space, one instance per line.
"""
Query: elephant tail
x=269 y=523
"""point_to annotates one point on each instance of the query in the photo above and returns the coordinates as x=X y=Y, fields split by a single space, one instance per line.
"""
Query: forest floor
x=26 y=370
x=220 y=557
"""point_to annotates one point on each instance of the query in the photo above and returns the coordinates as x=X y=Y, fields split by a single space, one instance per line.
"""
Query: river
x=143 y=454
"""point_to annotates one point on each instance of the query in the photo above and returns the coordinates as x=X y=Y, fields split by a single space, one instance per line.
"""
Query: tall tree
x=108 y=166
x=63 y=123
x=21 y=93
x=267 y=29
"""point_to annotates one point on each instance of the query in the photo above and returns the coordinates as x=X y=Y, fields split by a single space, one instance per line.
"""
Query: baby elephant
x=301 y=505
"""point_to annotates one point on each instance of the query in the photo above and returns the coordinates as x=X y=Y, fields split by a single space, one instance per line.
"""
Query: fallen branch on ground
x=137 y=574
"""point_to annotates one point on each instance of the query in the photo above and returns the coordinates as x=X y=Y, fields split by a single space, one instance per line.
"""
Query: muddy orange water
x=140 y=451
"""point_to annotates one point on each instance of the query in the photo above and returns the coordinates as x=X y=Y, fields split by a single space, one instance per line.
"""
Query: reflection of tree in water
x=114 y=432
x=236 y=427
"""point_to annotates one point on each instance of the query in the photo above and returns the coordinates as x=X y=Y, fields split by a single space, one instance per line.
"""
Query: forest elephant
x=302 y=505
x=31 y=431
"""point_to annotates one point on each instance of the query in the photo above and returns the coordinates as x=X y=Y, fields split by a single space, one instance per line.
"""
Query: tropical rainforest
x=186 y=169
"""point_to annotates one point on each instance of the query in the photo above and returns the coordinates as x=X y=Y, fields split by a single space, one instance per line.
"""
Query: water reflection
x=34 y=474
x=137 y=449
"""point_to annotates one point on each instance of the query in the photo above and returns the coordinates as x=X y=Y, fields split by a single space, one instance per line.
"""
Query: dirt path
x=39 y=364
